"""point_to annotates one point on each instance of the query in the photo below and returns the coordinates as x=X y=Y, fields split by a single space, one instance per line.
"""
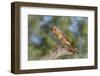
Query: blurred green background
x=41 y=40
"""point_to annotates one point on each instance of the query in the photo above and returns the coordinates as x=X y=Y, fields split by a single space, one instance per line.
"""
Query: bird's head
x=54 y=29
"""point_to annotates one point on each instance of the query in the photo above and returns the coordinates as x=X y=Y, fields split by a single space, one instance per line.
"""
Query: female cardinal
x=63 y=39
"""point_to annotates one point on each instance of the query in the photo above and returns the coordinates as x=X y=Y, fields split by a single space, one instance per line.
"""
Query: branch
x=56 y=53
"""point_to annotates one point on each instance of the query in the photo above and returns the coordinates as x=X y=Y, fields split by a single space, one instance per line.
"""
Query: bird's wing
x=68 y=41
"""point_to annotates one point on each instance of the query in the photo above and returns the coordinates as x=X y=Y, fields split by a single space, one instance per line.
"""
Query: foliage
x=41 y=40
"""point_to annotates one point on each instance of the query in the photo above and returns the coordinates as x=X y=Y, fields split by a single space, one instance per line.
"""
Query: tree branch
x=57 y=52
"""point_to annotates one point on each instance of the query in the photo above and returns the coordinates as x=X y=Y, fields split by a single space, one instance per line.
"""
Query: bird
x=63 y=39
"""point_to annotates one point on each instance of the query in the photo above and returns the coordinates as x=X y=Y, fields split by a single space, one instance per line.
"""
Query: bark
x=57 y=52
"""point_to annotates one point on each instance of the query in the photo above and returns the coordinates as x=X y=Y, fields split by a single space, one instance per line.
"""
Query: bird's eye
x=55 y=30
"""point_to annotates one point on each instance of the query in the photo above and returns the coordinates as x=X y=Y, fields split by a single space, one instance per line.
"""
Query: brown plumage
x=63 y=39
